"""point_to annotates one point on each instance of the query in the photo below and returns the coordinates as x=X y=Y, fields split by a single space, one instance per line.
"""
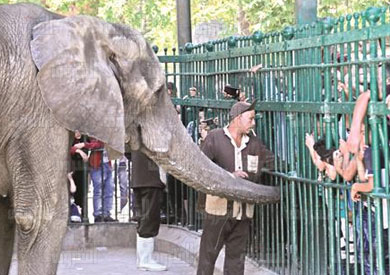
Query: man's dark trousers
x=219 y=231
x=148 y=204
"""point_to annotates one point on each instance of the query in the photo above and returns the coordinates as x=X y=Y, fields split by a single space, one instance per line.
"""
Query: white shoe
x=145 y=247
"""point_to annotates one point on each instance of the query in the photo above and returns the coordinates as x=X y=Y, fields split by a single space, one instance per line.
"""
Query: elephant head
x=104 y=80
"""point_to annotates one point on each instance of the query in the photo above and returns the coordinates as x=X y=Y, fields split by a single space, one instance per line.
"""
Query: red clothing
x=96 y=156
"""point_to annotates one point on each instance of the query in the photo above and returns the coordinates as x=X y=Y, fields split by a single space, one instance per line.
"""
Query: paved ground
x=112 y=261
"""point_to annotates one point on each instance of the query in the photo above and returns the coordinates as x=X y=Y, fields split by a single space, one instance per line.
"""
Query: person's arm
x=330 y=171
x=345 y=166
x=94 y=144
x=75 y=147
x=347 y=171
x=350 y=170
x=72 y=185
x=361 y=168
x=314 y=156
x=362 y=187
x=366 y=180
x=255 y=68
x=359 y=112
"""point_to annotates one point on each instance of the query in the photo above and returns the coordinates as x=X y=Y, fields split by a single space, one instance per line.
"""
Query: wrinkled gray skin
x=61 y=74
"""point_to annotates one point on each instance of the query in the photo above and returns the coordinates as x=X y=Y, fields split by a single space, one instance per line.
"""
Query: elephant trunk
x=182 y=158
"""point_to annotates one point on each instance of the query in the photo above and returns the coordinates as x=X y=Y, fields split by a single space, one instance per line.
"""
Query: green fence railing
x=316 y=228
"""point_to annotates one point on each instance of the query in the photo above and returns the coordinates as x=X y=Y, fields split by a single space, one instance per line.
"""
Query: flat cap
x=241 y=107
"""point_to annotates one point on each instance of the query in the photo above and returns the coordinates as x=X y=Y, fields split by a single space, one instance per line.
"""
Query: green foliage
x=156 y=20
x=336 y=8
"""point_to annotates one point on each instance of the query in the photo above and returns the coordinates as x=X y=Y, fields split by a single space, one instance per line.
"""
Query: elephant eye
x=161 y=89
x=112 y=57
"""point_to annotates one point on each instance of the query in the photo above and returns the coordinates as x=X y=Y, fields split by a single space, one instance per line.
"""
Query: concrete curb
x=176 y=241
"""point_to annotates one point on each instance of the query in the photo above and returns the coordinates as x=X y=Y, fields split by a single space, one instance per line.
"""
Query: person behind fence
x=321 y=157
x=101 y=175
x=236 y=149
x=147 y=183
x=192 y=93
x=74 y=209
x=333 y=161
x=366 y=184
x=205 y=127
x=123 y=181
x=79 y=155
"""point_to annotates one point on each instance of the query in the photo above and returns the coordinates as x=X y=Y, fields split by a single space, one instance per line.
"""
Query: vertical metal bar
x=116 y=188
x=85 y=188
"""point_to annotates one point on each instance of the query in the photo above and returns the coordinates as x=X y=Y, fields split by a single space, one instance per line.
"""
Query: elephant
x=60 y=74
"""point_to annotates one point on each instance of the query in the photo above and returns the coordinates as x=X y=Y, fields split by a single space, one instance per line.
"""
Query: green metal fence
x=315 y=229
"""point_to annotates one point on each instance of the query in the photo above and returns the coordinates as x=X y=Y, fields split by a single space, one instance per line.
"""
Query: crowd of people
x=87 y=152
x=353 y=161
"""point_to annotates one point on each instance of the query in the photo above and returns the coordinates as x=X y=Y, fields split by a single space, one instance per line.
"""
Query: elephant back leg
x=7 y=232
x=37 y=162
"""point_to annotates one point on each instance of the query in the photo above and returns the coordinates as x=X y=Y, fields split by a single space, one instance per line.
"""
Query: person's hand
x=337 y=159
x=342 y=86
x=79 y=145
x=240 y=174
x=355 y=196
x=343 y=146
x=83 y=155
x=254 y=69
x=309 y=140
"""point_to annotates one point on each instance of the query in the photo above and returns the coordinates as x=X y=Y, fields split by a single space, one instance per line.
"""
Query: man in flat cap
x=236 y=149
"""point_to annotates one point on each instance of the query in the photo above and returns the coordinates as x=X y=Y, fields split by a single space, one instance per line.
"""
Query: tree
x=156 y=20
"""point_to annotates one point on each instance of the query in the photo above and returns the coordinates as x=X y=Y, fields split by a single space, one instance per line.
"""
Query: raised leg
x=38 y=164
x=7 y=232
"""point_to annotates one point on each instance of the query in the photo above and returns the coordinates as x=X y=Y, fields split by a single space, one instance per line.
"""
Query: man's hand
x=240 y=174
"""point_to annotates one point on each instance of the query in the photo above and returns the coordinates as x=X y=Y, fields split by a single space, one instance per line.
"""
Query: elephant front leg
x=7 y=232
x=38 y=169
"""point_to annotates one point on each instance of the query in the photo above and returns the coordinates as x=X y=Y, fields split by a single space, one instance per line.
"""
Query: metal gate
x=316 y=228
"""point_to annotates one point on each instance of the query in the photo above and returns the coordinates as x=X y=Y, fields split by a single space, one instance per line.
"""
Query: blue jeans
x=102 y=206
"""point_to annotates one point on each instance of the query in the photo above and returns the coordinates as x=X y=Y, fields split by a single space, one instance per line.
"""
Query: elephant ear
x=76 y=79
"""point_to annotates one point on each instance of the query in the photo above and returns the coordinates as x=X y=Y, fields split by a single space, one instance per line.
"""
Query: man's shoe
x=109 y=219
x=99 y=218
